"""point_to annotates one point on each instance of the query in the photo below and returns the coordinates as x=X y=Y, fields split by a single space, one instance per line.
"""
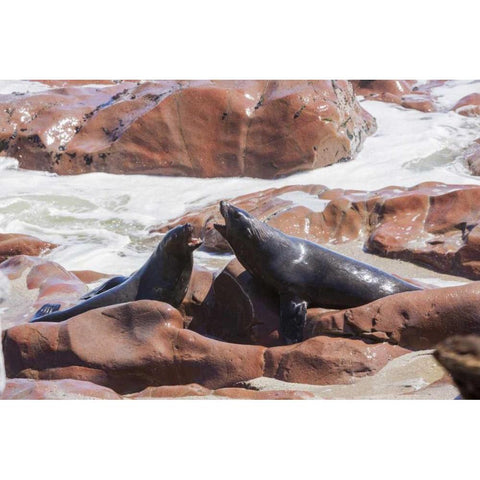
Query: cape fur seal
x=164 y=277
x=302 y=272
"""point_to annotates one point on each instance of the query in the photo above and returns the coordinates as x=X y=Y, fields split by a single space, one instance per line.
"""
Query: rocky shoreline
x=225 y=334
x=223 y=341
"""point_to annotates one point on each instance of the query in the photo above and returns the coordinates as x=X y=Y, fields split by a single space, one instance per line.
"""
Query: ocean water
x=101 y=221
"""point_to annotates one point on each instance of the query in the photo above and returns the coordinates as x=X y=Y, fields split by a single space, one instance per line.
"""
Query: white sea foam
x=440 y=282
x=447 y=95
x=305 y=200
x=21 y=86
x=101 y=221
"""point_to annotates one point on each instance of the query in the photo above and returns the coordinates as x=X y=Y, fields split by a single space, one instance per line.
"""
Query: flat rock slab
x=65 y=389
x=410 y=376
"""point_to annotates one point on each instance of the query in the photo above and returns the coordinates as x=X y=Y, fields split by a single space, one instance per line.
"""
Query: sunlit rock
x=250 y=128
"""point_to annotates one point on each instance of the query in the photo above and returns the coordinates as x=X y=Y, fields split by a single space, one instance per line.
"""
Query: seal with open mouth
x=302 y=272
x=164 y=277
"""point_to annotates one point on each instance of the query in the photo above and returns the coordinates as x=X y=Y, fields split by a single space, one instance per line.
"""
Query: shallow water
x=101 y=221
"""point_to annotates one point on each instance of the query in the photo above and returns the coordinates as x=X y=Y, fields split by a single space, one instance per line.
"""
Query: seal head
x=248 y=237
x=180 y=240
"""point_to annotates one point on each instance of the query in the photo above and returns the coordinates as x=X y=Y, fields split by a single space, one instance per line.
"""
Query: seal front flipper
x=110 y=283
x=293 y=315
x=46 y=309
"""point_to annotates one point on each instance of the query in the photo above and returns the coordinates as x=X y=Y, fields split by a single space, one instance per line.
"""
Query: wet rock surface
x=414 y=375
x=66 y=389
x=414 y=320
x=225 y=334
x=12 y=244
x=251 y=128
x=132 y=346
x=325 y=360
x=468 y=106
x=431 y=224
x=400 y=92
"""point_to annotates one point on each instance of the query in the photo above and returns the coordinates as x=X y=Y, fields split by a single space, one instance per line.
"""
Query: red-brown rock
x=239 y=309
x=468 y=106
x=332 y=216
x=326 y=360
x=195 y=390
x=128 y=347
x=193 y=305
x=12 y=244
x=66 y=389
x=393 y=87
x=415 y=320
x=193 y=128
x=35 y=282
x=170 y=391
x=246 y=394
x=90 y=276
x=401 y=92
x=432 y=224
x=132 y=346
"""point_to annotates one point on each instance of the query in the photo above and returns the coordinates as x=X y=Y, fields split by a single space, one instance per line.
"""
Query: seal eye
x=236 y=215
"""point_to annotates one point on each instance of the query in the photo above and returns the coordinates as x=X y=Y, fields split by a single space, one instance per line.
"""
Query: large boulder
x=432 y=224
x=261 y=128
x=132 y=346
x=414 y=320
x=128 y=347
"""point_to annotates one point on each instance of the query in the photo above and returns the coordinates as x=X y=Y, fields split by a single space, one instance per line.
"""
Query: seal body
x=302 y=272
x=164 y=277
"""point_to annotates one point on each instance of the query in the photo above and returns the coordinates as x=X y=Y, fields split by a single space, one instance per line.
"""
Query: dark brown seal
x=164 y=277
x=302 y=272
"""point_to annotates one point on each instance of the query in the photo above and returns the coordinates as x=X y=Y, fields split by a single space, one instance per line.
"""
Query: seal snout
x=192 y=242
x=222 y=229
x=224 y=207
